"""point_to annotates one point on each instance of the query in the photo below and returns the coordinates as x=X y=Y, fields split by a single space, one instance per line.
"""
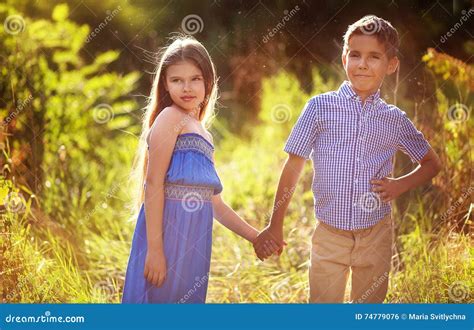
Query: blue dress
x=190 y=182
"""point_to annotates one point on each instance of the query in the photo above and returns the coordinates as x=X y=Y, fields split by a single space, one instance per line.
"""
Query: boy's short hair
x=379 y=28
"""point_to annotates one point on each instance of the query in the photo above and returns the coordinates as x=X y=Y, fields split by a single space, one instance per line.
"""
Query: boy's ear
x=343 y=59
x=393 y=64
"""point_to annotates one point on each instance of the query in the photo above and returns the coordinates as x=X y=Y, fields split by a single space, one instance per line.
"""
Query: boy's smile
x=366 y=64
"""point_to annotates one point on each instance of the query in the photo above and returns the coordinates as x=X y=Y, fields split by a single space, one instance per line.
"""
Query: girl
x=171 y=248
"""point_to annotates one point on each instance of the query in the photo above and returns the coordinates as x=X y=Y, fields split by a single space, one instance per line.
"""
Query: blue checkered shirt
x=351 y=143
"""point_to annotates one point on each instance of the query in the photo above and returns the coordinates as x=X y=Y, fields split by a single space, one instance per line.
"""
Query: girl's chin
x=188 y=106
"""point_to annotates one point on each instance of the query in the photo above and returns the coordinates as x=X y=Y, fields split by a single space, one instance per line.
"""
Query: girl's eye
x=175 y=80
x=375 y=56
x=354 y=55
x=197 y=79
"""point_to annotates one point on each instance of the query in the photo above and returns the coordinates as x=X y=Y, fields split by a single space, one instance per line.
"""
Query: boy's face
x=366 y=64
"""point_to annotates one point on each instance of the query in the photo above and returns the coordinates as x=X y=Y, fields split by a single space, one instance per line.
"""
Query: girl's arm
x=161 y=141
x=227 y=217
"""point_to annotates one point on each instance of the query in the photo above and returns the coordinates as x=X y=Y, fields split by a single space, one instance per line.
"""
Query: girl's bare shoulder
x=168 y=121
x=170 y=115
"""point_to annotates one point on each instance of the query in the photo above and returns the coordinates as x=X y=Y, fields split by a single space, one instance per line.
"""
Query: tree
x=59 y=113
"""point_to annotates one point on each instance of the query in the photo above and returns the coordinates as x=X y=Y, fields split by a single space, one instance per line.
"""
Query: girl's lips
x=187 y=98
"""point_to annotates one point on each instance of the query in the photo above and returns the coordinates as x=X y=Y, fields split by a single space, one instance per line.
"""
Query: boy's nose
x=363 y=64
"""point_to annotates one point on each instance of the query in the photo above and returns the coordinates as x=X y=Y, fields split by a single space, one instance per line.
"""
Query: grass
x=82 y=257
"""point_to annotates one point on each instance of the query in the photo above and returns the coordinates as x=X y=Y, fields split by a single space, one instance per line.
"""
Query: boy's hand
x=387 y=188
x=268 y=242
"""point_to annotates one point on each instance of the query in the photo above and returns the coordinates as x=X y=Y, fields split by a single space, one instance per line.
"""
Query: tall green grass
x=82 y=258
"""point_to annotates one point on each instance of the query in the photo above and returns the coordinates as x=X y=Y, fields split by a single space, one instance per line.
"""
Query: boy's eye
x=197 y=78
x=375 y=56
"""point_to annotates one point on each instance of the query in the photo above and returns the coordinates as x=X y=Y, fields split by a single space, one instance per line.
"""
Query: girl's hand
x=155 y=268
x=268 y=242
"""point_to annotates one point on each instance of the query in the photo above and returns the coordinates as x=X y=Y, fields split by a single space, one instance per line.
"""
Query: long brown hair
x=182 y=48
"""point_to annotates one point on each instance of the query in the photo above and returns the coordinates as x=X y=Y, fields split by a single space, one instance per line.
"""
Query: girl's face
x=185 y=83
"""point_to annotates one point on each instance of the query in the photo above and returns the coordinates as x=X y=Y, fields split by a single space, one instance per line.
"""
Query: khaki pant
x=366 y=252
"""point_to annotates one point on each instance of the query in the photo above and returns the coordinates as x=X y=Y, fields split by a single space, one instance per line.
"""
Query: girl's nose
x=186 y=86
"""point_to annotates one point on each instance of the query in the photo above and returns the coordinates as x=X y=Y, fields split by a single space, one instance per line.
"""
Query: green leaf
x=60 y=12
x=107 y=57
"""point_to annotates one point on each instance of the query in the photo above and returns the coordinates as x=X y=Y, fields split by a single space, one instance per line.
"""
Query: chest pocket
x=381 y=130
x=339 y=131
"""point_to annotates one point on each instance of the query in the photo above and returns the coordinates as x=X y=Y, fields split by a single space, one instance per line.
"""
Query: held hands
x=155 y=267
x=269 y=241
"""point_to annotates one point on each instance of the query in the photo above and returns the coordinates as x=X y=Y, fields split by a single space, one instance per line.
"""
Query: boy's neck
x=363 y=95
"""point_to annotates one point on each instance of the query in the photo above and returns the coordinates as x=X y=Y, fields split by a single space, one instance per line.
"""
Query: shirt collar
x=346 y=90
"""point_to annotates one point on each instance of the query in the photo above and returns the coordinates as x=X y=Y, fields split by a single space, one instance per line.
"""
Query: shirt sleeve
x=302 y=136
x=411 y=141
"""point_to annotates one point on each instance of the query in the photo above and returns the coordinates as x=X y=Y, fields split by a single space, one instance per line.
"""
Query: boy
x=352 y=136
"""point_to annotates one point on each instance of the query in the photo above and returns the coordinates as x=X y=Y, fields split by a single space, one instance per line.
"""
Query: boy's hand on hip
x=387 y=188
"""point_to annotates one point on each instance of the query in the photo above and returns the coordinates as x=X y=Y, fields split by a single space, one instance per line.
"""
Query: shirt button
x=358 y=159
x=355 y=181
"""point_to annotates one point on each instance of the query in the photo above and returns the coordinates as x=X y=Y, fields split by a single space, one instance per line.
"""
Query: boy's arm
x=286 y=186
x=391 y=188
